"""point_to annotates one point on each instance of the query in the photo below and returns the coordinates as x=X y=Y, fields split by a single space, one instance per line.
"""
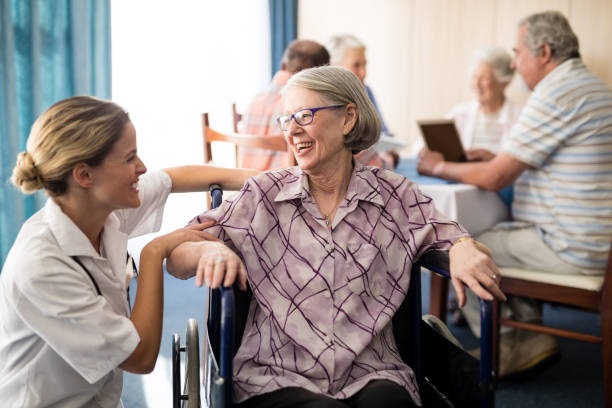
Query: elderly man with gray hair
x=347 y=51
x=558 y=157
x=260 y=116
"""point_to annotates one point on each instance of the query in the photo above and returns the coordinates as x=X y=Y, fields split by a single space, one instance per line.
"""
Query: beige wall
x=419 y=50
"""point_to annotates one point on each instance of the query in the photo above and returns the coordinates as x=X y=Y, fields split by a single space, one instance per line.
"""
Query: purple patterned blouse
x=323 y=299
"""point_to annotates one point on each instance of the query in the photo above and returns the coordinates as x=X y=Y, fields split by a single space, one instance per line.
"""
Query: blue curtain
x=50 y=50
x=283 y=28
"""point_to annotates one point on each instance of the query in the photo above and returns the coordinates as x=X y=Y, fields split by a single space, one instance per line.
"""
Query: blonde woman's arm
x=200 y=177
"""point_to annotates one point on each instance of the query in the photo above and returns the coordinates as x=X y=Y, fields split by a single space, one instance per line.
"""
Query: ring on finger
x=494 y=277
x=220 y=260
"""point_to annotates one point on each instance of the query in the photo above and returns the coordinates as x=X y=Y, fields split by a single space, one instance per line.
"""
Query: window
x=174 y=60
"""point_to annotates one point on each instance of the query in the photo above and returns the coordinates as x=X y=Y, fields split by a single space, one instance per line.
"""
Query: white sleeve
x=154 y=189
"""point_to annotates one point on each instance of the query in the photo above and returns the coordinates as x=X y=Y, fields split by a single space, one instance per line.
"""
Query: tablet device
x=442 y=136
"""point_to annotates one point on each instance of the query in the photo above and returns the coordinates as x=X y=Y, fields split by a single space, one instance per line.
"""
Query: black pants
x=378 y=393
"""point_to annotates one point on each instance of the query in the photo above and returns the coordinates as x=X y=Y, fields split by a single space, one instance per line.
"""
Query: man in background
x=260 y=117
x=559 y=157
x=347 y=51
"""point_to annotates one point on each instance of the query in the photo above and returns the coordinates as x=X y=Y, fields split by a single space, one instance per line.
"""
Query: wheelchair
x=226 y=313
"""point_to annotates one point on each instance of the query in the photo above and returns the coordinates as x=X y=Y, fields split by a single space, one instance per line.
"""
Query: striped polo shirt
x=564 y=134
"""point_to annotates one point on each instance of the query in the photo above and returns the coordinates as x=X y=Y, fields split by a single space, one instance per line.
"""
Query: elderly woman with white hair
x=484 y=123
x=328 y=246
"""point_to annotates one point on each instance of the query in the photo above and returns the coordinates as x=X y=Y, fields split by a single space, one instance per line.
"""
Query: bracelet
x=479 y=245
x=462 y=239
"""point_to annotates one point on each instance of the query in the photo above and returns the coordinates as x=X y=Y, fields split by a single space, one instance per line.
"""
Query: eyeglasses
x=302 y=117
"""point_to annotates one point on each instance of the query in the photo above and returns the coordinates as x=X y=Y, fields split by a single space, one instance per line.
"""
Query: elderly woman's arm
x=211 y=262
x=471 y=265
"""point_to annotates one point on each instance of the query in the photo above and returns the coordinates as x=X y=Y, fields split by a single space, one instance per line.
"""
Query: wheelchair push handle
x=216 y=194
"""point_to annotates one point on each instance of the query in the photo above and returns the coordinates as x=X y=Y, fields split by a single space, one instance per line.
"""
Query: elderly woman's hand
x=428 y=160
x=212 y=263
x=471 y=264
x=218 y=265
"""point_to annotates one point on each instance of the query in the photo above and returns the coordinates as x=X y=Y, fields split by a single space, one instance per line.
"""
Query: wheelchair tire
x=192 y=368
x=176 y=371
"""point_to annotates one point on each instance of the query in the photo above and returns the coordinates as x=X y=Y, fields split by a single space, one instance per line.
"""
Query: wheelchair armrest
x=438 y=262
x=216 y=194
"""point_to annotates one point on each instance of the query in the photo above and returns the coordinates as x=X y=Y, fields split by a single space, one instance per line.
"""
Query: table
x=474 y=208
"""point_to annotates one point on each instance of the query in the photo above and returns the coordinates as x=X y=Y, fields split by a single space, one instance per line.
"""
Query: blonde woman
x=66 y=333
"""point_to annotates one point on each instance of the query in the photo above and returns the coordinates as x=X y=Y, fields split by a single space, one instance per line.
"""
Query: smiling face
x=319 y=146
x=485 y=84
x=115 y=180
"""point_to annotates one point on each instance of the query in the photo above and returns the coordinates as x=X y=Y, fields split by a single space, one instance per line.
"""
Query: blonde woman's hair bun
x=25 y=174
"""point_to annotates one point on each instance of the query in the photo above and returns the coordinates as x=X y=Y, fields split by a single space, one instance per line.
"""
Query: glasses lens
x=283 y=121
x=303 y=117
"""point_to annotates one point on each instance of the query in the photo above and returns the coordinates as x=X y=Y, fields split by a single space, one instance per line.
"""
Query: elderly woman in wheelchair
x=327 y=248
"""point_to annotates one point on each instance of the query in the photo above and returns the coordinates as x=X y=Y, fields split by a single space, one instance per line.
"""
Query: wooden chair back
x=236 y=117
x=275 y=142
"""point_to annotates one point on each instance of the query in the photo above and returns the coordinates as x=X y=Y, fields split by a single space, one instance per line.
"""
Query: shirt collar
x=363 y=186
x=560 y=71
x=74 y=242
x=69 y=237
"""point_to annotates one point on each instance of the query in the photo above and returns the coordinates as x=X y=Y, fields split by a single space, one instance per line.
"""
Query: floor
x=574 y=381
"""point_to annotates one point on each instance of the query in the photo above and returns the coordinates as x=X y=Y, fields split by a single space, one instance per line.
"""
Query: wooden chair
x=236 y=117
x=591 y=293
x=275 y=142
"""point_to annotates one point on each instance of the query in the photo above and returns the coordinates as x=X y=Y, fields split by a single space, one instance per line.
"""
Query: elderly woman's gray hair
x=339 y=86
x=338 y=45
x=499 y=59
x=552 y=28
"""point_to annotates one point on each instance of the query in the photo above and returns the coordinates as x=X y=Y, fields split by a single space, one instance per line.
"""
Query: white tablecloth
x=474 y=208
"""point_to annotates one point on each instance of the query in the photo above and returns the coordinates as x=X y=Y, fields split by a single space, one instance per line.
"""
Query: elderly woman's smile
x=303 y=145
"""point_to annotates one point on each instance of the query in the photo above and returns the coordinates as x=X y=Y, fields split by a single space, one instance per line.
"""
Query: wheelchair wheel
x=192 y=368
x=190 y=397
x=176 y=371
